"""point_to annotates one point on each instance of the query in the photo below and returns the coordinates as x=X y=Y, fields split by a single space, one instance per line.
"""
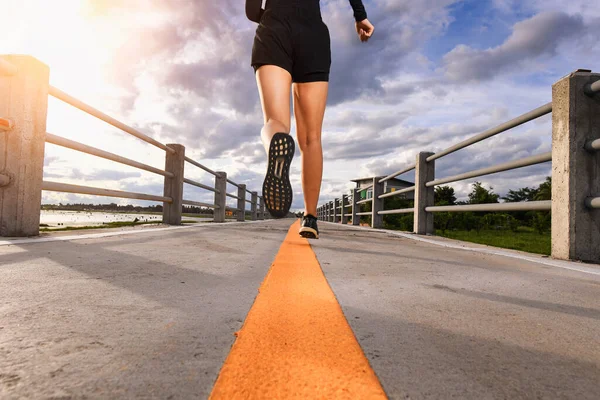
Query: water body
x=61 y=219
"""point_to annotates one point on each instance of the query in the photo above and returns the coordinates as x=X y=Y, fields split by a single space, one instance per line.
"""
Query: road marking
x=296 y=342
x=570 y=265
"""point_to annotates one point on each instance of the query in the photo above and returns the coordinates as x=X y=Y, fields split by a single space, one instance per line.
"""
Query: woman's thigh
x=310 y=100
x=274 y=89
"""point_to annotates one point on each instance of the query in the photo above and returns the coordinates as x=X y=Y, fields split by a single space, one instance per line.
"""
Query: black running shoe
x=309 y=228
x=277 y=190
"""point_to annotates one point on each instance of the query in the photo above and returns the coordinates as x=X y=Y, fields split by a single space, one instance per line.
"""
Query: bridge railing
x=24 y=91
x=575 y=158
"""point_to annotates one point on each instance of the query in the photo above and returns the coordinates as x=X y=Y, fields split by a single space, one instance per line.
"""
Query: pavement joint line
x=570 y=265
x=110 y=234
x=295 y=342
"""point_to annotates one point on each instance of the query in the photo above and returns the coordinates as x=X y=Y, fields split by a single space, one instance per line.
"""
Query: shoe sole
x=308 y=233
x=277 y=190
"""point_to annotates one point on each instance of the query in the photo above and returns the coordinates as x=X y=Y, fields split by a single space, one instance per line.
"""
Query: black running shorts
x=295 y=39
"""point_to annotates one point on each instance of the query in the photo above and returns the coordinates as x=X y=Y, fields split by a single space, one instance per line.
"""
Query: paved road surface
x=153 y=314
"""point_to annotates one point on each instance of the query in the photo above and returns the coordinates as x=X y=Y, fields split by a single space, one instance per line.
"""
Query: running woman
x=291 y=51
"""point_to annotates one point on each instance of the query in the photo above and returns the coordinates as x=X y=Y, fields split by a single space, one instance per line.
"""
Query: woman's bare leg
x=309 y=110
x=274 y=89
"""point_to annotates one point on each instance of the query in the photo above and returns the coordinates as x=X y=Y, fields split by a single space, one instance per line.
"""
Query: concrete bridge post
x=241 y=203
x=376 y=218
x=24 y=83
x=331 y=212
x=575 y=170
x=220 y=196
x=336 y=211
x=262 y=208
x=173 y=187
x=254 y=206
x=355 y=218
x=424 y=196
x=344 y=208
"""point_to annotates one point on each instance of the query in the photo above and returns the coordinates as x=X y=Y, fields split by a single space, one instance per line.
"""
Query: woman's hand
x=365 y=30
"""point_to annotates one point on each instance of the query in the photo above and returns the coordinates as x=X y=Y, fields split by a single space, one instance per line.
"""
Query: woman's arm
x=359 y=10
x=254 y=10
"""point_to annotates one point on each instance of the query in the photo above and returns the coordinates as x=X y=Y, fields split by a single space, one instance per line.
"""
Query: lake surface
x=60 y=219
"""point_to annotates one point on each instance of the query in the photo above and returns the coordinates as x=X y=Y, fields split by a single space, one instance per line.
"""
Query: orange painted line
x=296 y=342
x=6 y=124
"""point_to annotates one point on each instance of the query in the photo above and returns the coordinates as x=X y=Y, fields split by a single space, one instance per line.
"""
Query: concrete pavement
x=153 y=314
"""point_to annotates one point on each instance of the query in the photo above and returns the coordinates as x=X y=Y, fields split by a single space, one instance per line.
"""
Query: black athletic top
x=254 y=10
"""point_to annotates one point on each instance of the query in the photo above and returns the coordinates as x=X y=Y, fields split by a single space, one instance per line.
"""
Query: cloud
x=539 y=36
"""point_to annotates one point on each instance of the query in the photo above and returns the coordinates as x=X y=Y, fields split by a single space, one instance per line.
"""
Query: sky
x=435 y=73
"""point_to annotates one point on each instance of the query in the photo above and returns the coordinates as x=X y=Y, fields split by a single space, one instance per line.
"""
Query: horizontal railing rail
x=200 y=185
x=518 y=206
x=59 y=94
x=197 y=164
x=513 y=123
x=27 y=94
x=525 y=162
x=575 y=172
x=200 y=204
x=73 y=145
x=397 y=192
x=68 y=188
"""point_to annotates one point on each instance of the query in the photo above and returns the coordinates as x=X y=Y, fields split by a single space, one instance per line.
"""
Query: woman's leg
x=274 y=89
x=309 y=110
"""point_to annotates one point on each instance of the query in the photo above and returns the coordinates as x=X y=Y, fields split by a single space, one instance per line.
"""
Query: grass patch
x=119 y=224
x=525 y=239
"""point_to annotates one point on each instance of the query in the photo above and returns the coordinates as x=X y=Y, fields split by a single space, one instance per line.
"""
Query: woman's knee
x=309 y=141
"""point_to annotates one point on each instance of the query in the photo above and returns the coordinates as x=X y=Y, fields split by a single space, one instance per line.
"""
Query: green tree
x=544 y=192
x=481 y=195
x=523 y=194
x=444 y=196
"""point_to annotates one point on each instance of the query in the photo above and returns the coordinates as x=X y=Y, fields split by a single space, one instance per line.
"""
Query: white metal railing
x=28 y=86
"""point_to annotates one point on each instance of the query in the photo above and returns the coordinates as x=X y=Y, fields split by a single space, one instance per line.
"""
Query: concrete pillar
x=241 y=203
x=424 y=196
x=23 y=100
x=327 y=211
x=575 y=171
x=331 y=212
x=262 y=208
x=376 y=219
x=344 y=209
x=336 y=211
x=220 y=196
x=173 y=187
x=355 y=198
x=254 y=206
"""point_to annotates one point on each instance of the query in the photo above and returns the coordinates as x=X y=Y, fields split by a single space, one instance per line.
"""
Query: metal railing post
x=220 y=196
x=336 y=211
x=344 y=208
x=376 y=218
x=262 y=208
x=173 y=186
x=254 y=206
x=424 y=196
x=355 y=218
x=24 y=85
x=241 y=203
x=575 y=171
